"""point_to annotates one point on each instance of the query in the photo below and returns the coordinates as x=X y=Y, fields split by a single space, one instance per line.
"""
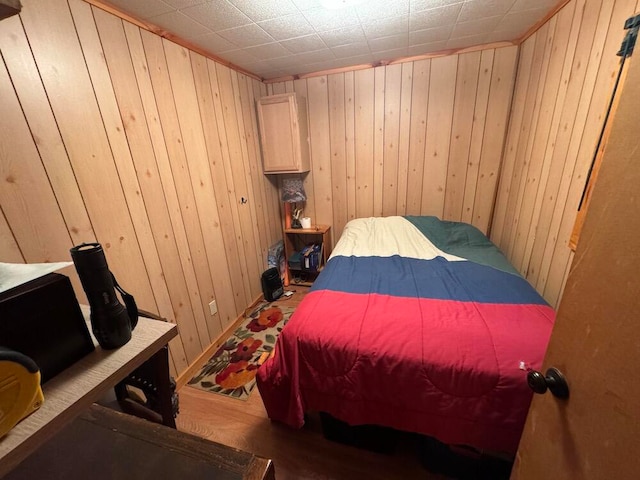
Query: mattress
x=415 y=324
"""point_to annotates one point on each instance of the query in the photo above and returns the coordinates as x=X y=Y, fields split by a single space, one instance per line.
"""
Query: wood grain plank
x=350 y=142
x=176 y=167
x=528 y=176
x=509 y=160
x=477 y=134
x=246 y=207
x=318 y=107
x=462 y=127
x=226 y=287
x=442 y=90
x=35 y=105
x=502 y=80
x=573 y=127
x=159 y=144
x=338 y=153
x=193 y=330
x=404 y=137
x=364 y=98
x=9 y=249
x=254 y=167
x=598 y=82
x=392 y=112
x=417 y=134
x=555 y=90
x=378 y=139
x=28 y=201
x=61 y=64
x=539 y=43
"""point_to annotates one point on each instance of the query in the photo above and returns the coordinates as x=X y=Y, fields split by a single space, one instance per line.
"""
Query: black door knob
x=554 y=381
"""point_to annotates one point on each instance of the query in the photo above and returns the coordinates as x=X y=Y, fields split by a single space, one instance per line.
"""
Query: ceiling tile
x=470 y=41
x=388 y=55
x=288 y=26
x=381 y=9
x=386 y=27
x=475 y=27
x=351 y=50
x=476 y=9
x=434 y=17
x=261 y=10
x=213 y=42
x=143 y=8
x=430 y=47
x=322 y=19
x=430 y=35
x=317 y=56
x=181 y=25
x=246 y=36
x=307 y=43
x=522 y=5
x=239 y=56
x=417 y=5
x=389 y=43
x=180 y=3
x=306 y=4
x=267 y=51
x=356 y=60
x=343 y=36
x=219 y=14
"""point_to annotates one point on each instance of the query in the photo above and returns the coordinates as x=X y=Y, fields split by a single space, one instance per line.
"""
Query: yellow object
x=20 y=392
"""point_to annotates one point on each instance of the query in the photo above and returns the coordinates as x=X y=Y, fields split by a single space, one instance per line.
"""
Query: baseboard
x=199 y=362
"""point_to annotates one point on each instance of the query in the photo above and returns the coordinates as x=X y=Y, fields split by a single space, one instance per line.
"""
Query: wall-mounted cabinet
x=284 y=134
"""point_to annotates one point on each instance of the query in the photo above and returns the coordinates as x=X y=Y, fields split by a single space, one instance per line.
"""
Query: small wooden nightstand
x=297 y=238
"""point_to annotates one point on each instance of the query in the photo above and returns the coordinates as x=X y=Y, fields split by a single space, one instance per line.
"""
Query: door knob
x=554 y=380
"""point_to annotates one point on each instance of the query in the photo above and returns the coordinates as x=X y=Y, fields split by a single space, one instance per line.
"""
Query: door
x=595 y=433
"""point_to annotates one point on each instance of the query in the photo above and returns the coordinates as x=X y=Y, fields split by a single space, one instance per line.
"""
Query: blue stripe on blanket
x=438 y=278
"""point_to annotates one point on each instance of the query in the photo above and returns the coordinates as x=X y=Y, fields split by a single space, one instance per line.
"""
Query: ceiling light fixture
x=337 y=4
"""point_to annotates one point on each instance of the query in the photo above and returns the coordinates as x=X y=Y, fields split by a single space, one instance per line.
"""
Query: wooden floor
x=297 y=454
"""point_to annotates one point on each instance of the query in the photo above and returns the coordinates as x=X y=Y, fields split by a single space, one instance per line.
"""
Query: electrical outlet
x=213 y=307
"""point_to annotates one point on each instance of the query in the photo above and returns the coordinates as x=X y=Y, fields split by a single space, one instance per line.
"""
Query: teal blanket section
x=462 y=240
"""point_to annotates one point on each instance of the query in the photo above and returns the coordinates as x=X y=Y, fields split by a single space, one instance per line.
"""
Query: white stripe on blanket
x=385 y=237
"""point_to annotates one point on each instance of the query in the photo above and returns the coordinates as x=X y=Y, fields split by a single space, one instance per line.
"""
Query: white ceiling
x=275 y=38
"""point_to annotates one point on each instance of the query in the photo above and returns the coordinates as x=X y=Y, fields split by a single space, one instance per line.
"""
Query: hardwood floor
x=297 y=454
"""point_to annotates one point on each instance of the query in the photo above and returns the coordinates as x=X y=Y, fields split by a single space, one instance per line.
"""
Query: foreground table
x=75 y=389
x=105 y=444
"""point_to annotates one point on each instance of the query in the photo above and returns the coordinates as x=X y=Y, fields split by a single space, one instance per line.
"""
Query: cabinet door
x=280 y=134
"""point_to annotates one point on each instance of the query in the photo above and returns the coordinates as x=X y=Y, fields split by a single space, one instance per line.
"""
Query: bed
x=417 y=324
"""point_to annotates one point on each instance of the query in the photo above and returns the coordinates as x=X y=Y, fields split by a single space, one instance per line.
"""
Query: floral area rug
x=232 y=369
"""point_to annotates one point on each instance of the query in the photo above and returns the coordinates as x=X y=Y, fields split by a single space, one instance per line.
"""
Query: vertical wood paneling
x=442 y=90
x=104 y=141
x=33 y=100
x=60 y=61
x=392 y=111
x=417 y=133
x=477 y=134
x=338 y=151
x=9 y=249
x=318 y=107
x=378 y=140
x=403 y=138
x=419 y=138
x=462 y=126
x=137 y=149
x=364 y=86
x=535 y=214
x=495 y=129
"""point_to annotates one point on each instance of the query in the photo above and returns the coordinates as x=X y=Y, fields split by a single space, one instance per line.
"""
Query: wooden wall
x=110 y=133
x=565 y=79
x=417 y=138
